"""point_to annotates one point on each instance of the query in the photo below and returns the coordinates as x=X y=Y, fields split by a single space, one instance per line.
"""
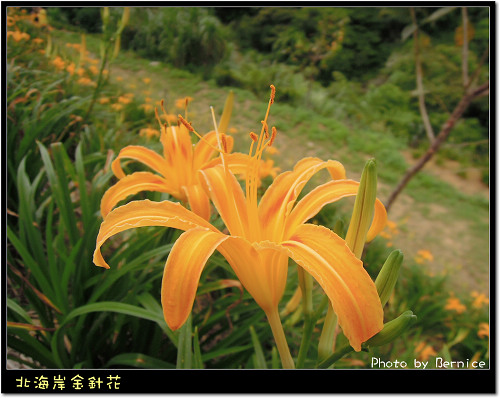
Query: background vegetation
x=346 y=90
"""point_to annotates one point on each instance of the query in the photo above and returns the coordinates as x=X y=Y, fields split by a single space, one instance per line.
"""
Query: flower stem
x=280 y=339
x=327 y=338
x=341 y=352
x=98 y=85
x=305 y=281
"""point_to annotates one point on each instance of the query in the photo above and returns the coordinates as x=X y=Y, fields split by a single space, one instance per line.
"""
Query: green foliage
x=184 y=37
x=85 y=18
x=362 y=53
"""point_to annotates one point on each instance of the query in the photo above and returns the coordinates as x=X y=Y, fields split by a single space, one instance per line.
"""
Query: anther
x=254 y=136
x=224 y=142
x=273 y=93
x=185 y=123
x=266 y=129
x=273 y=136
x=157 y=116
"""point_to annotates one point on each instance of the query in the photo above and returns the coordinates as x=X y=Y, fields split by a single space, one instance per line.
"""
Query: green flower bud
x=388 y=275
x=392 y=329
x=105 y=15
x=124 y=20
x=364 y=208
x=226 y=113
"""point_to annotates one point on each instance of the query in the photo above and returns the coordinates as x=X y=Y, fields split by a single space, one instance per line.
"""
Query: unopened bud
x=392 y=329
x=125 y=19
x=226 y=113
x=364 y=208
x=388 y=275
x=105 y=15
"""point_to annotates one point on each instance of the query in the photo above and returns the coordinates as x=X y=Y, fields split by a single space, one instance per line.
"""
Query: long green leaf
x=184 y=352
x=63 y=194
x=21 y=341
x=29 y=262
x=260 y=359
x=28 y=232
x=138 y=360
x=197 y=358
x=12 y=305
x=105 y=306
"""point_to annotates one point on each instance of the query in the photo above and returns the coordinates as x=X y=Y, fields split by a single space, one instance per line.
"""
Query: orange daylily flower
x=260 y=239
x=424 y=351
x=484 y=330
x=454 y=304
x=147 y=107
x=18 y=35
x=149 y=132
x=182 y=102
x=176 y=171
x=424 y=255
x=479 y=299
x=59 y=63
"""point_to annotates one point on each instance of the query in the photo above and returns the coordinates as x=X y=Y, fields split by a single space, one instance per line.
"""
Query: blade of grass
x=21 y=341
x=12 y=305
x=260 y=360
x=184 y=352
x=28 y=232
x=30 y=263
x=105 y=306
x=197 y=358
x=138 y=360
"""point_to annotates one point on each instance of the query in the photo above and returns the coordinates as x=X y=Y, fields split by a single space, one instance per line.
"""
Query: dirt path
x=449 y=171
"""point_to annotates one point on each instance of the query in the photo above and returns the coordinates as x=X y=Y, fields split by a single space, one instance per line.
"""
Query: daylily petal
x=182 y=272
x=130 y=185
x=198 y=200
x=238 y=164
x=228 y=198
x=143 y=155
x=279 y=198
x=204 y=151
x=178 y=151
x=261 y=270
x=327 y=193
x=145 y=213
x=341 y=275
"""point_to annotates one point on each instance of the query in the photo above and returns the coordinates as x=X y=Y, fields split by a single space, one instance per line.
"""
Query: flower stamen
x=191 y=129
x=252 y=177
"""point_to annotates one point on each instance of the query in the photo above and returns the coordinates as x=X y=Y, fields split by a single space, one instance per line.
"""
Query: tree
x=471 y=92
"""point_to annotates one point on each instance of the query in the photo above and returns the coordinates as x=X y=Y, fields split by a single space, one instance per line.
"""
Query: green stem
x=327 y=338
x=279 y=337
x=305 y=281
x=335 y=357
x=99 y=83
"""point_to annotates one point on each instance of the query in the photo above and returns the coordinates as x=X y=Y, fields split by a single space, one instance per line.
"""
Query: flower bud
x=364 y=208
x=392 y=329
x=226 y=113
x=388 y=276
x=124 y=20
x=105 y=15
